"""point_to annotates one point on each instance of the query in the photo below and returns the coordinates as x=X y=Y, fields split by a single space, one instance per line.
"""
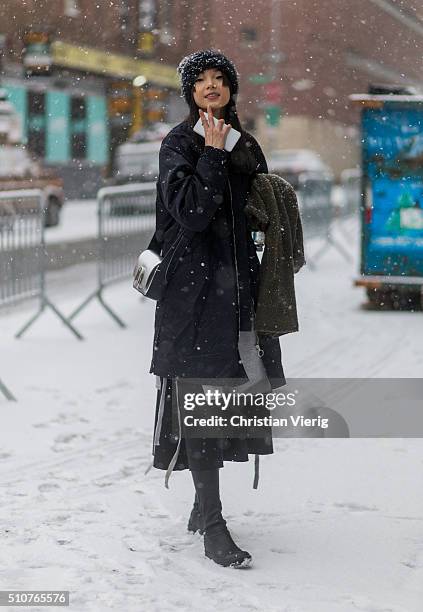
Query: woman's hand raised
x=215 y=135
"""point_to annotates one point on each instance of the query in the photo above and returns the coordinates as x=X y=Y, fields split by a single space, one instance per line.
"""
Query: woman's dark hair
x=242 y=159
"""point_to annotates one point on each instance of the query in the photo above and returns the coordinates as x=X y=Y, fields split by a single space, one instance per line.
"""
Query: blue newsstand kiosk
x=392 y=196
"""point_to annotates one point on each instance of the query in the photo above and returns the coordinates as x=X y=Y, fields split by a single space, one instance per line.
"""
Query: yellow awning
x=112 y=64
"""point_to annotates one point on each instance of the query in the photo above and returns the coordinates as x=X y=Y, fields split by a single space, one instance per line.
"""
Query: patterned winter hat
x=191 y=65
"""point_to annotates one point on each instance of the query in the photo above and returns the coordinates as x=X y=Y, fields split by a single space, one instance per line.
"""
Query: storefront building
x=76 y=104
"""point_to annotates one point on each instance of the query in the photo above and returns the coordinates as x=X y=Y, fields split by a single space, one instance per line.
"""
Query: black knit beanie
x=191 y=65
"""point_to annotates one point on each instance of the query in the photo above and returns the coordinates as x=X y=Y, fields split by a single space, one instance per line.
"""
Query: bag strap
x=155 y=244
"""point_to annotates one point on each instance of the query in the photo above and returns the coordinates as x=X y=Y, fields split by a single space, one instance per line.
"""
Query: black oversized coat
x=213 y=285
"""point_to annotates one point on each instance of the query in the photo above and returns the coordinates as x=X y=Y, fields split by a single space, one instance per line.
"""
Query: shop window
x=79 y=145
x=78 y=108
x=71 y=8
x=36 y=103
x=36 y=122
x=78 y=112
x=37 y=142
x=248 y=35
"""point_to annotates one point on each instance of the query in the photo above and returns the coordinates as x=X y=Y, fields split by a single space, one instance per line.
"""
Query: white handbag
x=151 y=272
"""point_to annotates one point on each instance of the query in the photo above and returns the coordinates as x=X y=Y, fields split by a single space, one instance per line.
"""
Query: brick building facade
x=312 y=54
x=319 y=51
x=104 y=24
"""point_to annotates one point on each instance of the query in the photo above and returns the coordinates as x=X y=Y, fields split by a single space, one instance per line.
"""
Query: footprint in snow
x=354 y=507
x=65 y=438
x=136 y=543
x=415 y=562
x=69 y=418
x=282 y=551
x=43 y=389
x=174 y=544
x=89 y=508
x=155 y=514
x=58 y=519
x=63 y=475
x=48 y=486
x=119 y=385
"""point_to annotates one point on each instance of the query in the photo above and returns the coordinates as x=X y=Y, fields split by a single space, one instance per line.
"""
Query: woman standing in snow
x=204 y=325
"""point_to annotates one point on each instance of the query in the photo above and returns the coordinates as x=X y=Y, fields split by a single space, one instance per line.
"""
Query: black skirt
x=174 y=450
x=196 y=453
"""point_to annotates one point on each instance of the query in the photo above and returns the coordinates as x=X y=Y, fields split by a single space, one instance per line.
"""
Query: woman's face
x=210 y=89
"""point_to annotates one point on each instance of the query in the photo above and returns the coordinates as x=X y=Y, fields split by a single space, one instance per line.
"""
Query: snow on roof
x=385 y=98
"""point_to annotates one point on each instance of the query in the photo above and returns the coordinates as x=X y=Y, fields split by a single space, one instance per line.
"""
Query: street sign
x=260 y=79
x=272 y=114
x=273 y=93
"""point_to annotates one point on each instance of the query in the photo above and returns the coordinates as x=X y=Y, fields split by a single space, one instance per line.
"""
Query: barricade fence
x=20 y=250
x=319 y=214
x=126 y=219
x=20 y=245
x=351 y=183
x=126 y=216
x=23 y=252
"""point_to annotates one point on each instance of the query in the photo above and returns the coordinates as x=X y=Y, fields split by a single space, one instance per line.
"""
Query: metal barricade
x=125 y=214
x=5 y=391
x=20 y=244
x=23 y=254
x=20 y=249
x=351 y=184
x=318 y=213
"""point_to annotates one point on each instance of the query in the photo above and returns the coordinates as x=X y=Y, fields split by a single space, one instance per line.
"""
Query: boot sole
x=246 y=563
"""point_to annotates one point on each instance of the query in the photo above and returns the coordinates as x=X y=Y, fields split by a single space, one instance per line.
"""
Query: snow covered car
x=291 y=163
x=136 y=162
x=18 y=170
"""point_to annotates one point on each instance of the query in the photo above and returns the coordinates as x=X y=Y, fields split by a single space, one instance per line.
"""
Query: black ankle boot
x=220 y=547
x=195 y=521
x=218 y=543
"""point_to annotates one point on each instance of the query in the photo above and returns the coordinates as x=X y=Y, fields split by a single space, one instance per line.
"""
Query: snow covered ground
x=78 y=220
x=335 y=526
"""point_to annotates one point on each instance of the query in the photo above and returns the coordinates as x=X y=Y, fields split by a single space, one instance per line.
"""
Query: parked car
x=10 y=122
x=153 y=132
x=136 y=162
x=18 y=170
x=290 y=163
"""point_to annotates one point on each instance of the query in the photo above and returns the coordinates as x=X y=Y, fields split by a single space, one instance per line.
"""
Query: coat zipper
x=235 y=261
x=260 y=351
